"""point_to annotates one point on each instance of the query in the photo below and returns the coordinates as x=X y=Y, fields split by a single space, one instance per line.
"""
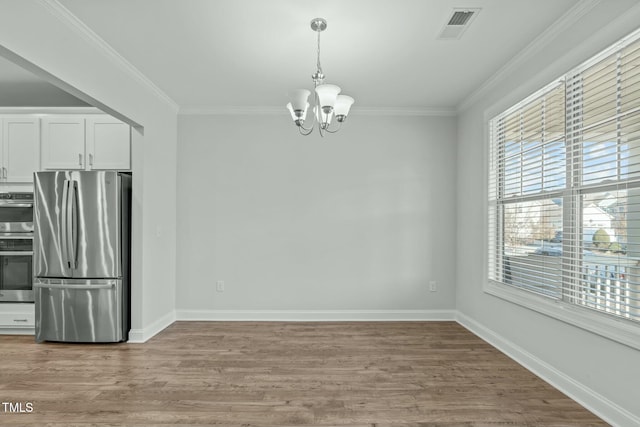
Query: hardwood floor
x=273 y=373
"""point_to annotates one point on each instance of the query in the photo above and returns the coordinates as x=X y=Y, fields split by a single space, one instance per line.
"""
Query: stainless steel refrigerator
x=81 y=256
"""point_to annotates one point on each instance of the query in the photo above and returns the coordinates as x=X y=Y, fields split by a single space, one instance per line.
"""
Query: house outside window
x=564 y=189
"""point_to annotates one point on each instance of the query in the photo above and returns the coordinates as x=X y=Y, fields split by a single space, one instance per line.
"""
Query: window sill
x=619 y=330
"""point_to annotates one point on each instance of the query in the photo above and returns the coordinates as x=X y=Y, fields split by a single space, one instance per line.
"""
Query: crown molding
x=565 y=21
x=75 y=24
x=411 y=112
x=279 y=111
x=50 y=110
x=202 y=110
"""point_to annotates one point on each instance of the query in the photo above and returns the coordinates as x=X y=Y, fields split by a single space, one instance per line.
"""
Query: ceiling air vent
x=458 y=22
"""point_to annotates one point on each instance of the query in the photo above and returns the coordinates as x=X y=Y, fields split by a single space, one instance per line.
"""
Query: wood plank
x=281 y=373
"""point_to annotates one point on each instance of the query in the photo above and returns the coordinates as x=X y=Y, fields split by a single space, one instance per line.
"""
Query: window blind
x=528 y=174
x=604 y=144
x=564 y=187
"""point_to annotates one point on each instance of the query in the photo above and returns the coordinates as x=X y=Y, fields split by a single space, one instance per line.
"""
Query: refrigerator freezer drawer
x=79 y=311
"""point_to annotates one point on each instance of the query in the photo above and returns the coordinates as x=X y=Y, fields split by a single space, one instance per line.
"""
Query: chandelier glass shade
x=328 y=103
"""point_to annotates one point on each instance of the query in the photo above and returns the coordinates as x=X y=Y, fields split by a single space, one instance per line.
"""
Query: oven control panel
x=23 y=197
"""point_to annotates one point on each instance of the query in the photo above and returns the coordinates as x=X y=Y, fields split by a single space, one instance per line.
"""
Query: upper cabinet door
x=20 y=148
x=108 y=144
x=63 y=140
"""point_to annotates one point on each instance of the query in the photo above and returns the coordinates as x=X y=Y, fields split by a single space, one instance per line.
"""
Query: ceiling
x=20 y=88
x=221 y=54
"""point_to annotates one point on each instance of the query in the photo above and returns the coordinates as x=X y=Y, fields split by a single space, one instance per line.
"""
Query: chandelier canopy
x=327 y=101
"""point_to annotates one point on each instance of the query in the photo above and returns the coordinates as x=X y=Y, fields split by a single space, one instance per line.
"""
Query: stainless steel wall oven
x=16 y=247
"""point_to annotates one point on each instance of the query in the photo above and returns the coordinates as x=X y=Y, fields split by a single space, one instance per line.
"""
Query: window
x=564 y=188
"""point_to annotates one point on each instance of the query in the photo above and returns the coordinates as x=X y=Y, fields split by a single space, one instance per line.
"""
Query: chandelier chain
x=318 y=61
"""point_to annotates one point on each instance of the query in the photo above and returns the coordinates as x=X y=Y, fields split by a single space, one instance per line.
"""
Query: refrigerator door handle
x=63 y=224
x=72 y=225
x=78 y=287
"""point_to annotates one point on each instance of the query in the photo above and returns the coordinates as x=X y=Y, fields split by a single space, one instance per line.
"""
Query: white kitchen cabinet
x=96 y=142
x=63 y=142
x=18 y=318
x=108 y=143
x=19 y=149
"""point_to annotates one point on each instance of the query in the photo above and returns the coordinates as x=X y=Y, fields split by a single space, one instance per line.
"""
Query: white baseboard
x=143 y=335
x=594 y=402
x=316 y=315
x=18 y=331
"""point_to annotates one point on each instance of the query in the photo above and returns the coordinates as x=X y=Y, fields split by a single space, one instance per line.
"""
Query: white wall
x=608 y=370
x=359 y=220
x=38 y=33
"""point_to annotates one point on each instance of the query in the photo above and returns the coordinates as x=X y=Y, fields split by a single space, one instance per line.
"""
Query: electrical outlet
x=220 y=286
x=433 y=286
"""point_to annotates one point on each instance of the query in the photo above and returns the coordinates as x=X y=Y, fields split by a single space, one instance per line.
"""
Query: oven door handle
x=13 y=253
x=73 y=287
x=16 y=236
x=10 y=204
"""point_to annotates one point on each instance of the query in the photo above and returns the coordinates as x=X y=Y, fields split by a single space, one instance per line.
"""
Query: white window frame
x=621 y=330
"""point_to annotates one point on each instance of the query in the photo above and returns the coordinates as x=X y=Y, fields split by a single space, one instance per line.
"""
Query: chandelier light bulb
x=322 y=117
x=293 y=114
x=327 y=95
x=342 y=107
x=298 y=116
x=299 y=99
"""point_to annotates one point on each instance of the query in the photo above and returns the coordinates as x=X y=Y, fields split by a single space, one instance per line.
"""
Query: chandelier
x=327 y=101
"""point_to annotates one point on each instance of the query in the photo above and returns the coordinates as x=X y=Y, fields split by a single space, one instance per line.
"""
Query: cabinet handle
x=90 y=159
x=4 y=173
x=80 y=159
x=20 y=320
